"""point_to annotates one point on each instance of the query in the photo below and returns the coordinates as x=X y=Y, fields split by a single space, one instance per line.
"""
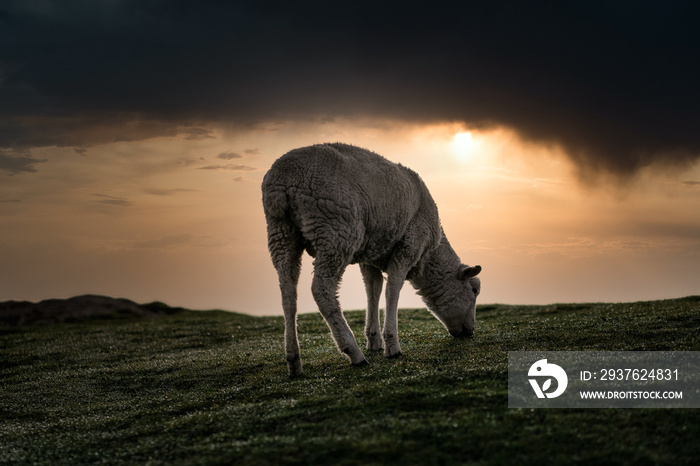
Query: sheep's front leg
x=391 y=320
x=324 y=288
x=373 y=279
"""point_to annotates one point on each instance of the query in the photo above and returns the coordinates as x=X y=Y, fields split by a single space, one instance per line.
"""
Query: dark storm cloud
x=614 y=83
x=14 y=164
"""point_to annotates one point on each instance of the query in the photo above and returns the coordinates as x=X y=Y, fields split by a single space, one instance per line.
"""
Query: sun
x=463 y=145
x=463 y=139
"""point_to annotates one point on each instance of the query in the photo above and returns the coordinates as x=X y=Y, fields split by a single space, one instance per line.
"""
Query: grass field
x=212 y=388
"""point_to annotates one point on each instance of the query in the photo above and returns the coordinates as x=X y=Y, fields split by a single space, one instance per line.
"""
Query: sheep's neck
x=429 y=277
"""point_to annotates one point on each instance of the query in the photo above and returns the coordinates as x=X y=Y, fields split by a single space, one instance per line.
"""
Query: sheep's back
x=359 y=198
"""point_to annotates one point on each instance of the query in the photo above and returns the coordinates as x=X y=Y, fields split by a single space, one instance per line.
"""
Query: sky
x=559 y=140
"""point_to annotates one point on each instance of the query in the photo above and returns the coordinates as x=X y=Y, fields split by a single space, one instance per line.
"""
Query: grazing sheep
x=345 y=205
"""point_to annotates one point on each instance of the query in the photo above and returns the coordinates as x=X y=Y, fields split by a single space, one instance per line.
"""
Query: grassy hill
x=212 y=387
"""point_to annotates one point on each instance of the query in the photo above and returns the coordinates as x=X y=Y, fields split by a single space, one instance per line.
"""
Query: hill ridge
x=76 y=309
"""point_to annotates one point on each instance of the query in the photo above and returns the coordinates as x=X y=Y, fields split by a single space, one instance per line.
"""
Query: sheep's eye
x=474 y=290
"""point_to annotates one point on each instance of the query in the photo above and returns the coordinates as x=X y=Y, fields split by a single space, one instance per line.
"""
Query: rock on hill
x=77 y=309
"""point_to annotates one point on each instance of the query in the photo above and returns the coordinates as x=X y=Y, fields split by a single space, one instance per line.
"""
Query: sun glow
x=502 y=201
x=463 y=145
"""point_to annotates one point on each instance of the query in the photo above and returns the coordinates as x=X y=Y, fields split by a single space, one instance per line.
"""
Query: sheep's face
x=459 y=315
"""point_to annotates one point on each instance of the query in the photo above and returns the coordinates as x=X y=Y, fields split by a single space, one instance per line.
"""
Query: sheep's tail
x=275 y=204
x=283 y=235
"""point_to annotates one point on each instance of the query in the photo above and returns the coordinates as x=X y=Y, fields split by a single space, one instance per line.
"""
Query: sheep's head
x=456 y=308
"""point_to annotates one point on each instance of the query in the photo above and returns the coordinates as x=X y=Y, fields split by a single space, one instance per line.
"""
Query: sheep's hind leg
x=288 y=287
x=373 y=279
x=286 y=252
x=390 y=333
x=324 y=288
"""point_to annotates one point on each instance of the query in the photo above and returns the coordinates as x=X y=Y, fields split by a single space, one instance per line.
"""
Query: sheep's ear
x=467 y=272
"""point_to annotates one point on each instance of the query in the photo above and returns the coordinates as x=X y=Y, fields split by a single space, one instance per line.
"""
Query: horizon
x=560 y=144
x=425 y=308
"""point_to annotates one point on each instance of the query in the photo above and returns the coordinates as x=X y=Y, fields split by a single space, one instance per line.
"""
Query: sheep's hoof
x=392 y=350
x=362 y=363
x=374 y=341
x=374 y=346
x=294 y=366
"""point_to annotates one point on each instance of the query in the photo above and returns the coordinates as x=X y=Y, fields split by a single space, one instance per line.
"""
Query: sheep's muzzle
x=464 y=332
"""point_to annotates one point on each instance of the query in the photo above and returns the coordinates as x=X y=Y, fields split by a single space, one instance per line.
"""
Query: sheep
x=346 y=205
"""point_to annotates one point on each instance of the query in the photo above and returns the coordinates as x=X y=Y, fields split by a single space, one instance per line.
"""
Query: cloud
x=167 y=192
x=16 y=164
x=581 y=247
x=229 y=156
x=196 y=133
x=90 y=126
x=165 y=242
x=228 y=167
x=112 y=200
x=614 y=85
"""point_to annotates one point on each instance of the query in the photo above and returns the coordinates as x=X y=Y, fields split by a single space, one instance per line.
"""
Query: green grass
x=212 y=388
